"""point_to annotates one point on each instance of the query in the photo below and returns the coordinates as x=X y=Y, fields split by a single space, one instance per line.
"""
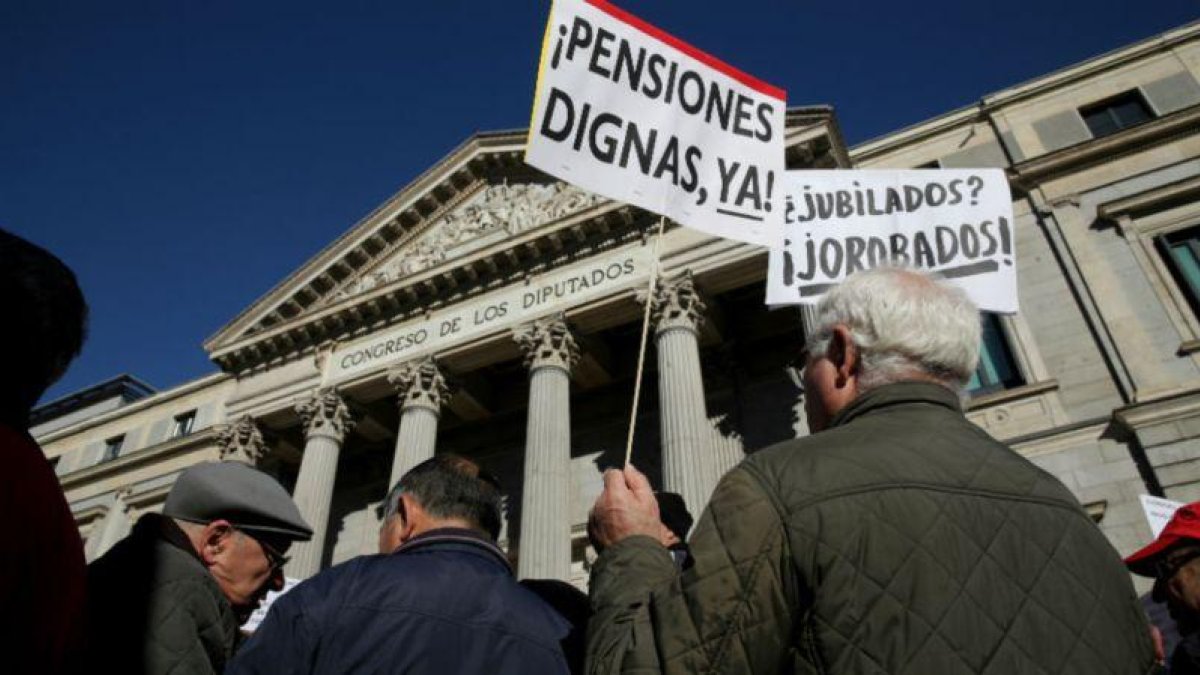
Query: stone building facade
x=489 y=310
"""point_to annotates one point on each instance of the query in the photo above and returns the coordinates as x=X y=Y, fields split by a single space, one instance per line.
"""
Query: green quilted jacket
x=154 y=609
x=902 y=540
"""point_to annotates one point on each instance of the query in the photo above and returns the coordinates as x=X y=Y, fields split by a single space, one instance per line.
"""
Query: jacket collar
x=456 y=538
x=899 y=393
x=156 y=526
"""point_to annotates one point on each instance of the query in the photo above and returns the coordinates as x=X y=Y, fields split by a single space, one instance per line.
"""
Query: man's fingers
x=614 y=482
x=638 y=483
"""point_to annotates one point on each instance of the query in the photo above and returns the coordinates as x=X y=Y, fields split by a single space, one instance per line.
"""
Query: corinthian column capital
x=676 y=304
x=325 y=414
x=419 y=383
x=547 y=343
x=242 y=441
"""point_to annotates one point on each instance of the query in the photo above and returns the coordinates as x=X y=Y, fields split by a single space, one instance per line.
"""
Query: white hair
x=906 y=323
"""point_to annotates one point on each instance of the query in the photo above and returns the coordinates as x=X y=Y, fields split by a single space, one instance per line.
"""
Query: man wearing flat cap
x=1173 y=561
x=169 y=597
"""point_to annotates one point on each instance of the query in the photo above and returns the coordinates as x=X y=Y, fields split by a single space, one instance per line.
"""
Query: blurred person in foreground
x=439 y=598
x=169 y=598
x=897 y=538
x=42 y=576
x=1173 y=561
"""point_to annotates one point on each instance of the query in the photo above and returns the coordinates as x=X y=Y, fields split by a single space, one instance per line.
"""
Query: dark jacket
x=1185 y=657
x=42 y=569
x=154 y=608
x=444 y=602
x=902 y=540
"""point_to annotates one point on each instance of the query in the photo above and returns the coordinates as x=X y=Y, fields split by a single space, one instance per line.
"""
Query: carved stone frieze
x=503 y=207
x=547 y=342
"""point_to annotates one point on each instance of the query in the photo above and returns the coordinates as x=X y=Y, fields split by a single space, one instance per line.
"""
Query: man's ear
x=843 y=353
x=414 y=518
x=216 y=537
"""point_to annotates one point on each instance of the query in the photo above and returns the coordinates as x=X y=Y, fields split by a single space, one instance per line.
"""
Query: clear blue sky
x=184 y=156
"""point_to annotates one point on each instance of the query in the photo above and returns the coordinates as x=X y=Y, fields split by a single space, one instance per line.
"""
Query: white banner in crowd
x=1158 y=512
x=957 y=222
x=629 y=112
x=259 y=614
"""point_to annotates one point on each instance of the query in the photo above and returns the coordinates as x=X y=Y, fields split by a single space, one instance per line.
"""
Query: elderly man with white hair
x=897 y=538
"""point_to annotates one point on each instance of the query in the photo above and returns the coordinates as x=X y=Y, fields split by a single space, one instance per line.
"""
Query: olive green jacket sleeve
x=732 y=611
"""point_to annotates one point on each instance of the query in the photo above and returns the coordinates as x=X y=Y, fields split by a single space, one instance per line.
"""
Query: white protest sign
x=957 y=222
x=627 y=111
x=259 y=614
x=1158 y=512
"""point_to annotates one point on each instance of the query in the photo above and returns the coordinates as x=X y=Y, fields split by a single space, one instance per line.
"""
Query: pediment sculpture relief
x=502 y=207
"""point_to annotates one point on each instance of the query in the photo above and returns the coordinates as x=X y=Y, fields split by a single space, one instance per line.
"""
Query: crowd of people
x=896 y=538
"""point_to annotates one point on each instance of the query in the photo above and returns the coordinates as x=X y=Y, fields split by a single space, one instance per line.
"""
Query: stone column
x=421 y=390
x=545 y=546
x=691 y=464
x=326 y=422
x=242 y=441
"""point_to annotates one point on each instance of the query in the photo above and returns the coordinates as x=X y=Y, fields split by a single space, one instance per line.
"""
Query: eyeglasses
x=795 y=369
x=274 y=558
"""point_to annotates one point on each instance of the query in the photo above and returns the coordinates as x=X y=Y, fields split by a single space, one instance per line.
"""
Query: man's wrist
x=639 y=562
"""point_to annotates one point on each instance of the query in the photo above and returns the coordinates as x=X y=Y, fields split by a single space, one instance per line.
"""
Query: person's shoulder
x=326 y=582
x=794 y=455
x=541 y=610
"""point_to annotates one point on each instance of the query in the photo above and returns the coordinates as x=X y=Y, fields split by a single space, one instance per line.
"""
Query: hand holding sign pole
x=627 y=111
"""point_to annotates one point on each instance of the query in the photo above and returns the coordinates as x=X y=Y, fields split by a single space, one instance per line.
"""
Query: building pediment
x=494 y=213
x=479 y=201
x=479 y=217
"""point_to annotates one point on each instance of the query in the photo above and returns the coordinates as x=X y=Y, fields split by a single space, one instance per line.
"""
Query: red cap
x=1184 y=525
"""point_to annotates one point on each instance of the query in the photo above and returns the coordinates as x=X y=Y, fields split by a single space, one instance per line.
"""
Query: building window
x=112 y=448
x=183 y=424
x=997 y=369
x=1117 y=113
x=1182 y=252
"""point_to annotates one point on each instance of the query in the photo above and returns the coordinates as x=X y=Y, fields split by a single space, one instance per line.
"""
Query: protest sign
x=629 y=112
x=1158 y=512
x=958 y=223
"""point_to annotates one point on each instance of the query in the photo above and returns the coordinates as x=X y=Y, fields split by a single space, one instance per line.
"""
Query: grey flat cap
x=246 y=497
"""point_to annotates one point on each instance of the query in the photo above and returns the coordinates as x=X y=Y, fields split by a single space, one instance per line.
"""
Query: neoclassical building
x=489 y=310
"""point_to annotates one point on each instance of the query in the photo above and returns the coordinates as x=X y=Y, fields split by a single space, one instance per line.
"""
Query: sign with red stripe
x=630 y=112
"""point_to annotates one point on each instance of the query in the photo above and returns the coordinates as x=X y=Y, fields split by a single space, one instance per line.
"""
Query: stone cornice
x=140 y=457
x=135 y=407
x=1027 y=174
x=1007 y=395
x=1181 y=405
x=992 y=103
x=1179 y=192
